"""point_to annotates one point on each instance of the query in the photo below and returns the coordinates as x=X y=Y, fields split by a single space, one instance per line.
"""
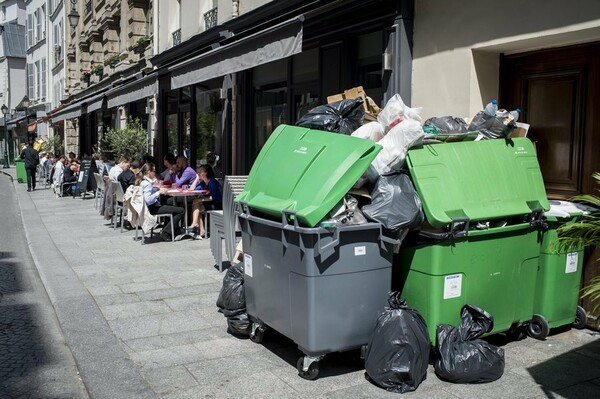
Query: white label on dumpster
x=452 y=286
x=572 y=258
x=358 y=251
x=248 y=265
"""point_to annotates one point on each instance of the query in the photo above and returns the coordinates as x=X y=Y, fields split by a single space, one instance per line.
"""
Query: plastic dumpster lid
x=477 y=180
x=566 y=209
x=307 y=171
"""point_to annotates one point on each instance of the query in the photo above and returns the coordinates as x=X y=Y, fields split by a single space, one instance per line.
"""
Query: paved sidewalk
x=141 y=322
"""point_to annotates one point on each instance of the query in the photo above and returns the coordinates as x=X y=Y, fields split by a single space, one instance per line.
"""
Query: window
x=43 y=79
x=29 y=30
x=30 y=81
x=43 y=20
x=38 y=80
x=38 y=26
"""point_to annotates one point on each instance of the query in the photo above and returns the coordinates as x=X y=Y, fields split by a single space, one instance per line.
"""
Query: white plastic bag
x=396 y=143
x=395 y=111
x=370 y=131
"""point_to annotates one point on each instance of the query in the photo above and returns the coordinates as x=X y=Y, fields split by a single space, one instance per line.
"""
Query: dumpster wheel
x=313 y=369
x=257 y=333
x=538 y=327
x=580 y=318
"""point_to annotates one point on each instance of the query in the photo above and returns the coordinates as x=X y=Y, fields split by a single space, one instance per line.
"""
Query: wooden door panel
x=552 y=104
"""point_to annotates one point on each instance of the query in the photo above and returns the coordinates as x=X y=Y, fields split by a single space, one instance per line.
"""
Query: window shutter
x=43 y=78
x=30 y=81
x=29 y=30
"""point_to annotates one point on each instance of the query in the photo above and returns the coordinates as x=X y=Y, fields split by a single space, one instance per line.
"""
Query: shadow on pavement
x=571 y=374
x=22 y=346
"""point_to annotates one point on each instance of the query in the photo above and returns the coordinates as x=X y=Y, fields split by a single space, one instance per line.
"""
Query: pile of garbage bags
x=398 y=353
x=391 y=197
x=232 y=301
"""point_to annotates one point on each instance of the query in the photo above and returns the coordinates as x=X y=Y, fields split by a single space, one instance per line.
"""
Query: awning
x=274 y=43
x=11 y=124
x=32 y=127
x=133 y=91
x=69 y=112
x=94 y=103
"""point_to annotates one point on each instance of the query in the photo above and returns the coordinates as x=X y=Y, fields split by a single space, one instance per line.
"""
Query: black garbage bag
x=395 y=203
x=343 y=116
x=491 y=127
x=232 y=299
x=398 y=352
x=448 y=124
x=239 y=324
x=463 y=358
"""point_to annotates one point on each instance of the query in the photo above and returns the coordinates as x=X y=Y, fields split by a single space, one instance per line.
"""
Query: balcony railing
x=210 y=19
x=176 y=37
x=88 y=7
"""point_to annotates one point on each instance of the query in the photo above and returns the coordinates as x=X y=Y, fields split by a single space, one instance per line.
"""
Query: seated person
x=205 y=180
x=146 y=180
x=184 y=175
x=115 y=171
x=71 y=173
x=127 y=177
x=169 y=173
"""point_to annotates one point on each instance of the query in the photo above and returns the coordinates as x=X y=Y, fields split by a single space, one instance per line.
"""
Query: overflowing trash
x=232 y=300
x=463 y=358
x=398 y=353
x=337 y=199
x=343 y=116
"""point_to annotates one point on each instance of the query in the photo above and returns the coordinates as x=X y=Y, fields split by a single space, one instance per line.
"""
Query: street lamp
x=73 y=15
x=4 y=112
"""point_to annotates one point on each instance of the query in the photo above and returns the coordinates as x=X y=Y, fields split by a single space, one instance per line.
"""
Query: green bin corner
x=559 y=276
x=21 y=173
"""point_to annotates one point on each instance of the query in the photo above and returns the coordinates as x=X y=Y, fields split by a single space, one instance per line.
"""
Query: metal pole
x=6 y=164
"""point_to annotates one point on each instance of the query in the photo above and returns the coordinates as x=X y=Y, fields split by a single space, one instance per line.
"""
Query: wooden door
x=557 y=91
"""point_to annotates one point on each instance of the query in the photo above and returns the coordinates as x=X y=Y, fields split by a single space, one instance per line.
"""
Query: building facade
x=12 y=73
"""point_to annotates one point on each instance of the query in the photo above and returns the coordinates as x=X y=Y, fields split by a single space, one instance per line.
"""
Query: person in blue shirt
x=205 y=180
x=146 y=179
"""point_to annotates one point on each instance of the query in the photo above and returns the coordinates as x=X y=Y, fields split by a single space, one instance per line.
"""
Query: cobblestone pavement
x=34 y=359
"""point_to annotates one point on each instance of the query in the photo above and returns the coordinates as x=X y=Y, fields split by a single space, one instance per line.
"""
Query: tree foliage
x=130 y=141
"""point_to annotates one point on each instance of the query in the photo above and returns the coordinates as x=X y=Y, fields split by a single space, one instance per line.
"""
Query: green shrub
x=131 y=141
x=585 y=232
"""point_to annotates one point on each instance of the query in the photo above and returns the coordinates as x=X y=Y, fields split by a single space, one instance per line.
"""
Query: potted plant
x=112 y=60
x=583 y=233
x=130 y=141
x=97 y=70
x=141 y=44
x=85 y=77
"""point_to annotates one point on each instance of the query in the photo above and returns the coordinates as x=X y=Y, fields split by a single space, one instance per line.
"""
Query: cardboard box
x=371 y=109
x=520 y=131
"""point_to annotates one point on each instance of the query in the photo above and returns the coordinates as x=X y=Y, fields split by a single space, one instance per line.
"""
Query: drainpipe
x=397 y=57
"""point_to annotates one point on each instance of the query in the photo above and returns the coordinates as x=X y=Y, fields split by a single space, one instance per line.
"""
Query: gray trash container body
x=323 y=290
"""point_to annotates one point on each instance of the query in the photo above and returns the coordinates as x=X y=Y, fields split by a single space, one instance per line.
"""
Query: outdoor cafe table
x=179 y=193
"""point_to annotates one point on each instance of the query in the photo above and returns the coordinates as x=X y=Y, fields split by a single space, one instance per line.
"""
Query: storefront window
x=209 y=111
x=271 y=111
x=172 y=119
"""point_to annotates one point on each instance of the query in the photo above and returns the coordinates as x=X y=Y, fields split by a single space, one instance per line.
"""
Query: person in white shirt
x=115 y=171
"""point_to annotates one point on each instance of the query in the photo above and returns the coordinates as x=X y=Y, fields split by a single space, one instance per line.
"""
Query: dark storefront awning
x=133 y=91
x=69 y=112
x=274 y=43
x=94 y=103
x=11 y=124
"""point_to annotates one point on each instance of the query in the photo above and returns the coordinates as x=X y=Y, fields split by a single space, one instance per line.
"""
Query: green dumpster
x=305 y=171
x=21 y=173
x=484 y=203
x=559 y=276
